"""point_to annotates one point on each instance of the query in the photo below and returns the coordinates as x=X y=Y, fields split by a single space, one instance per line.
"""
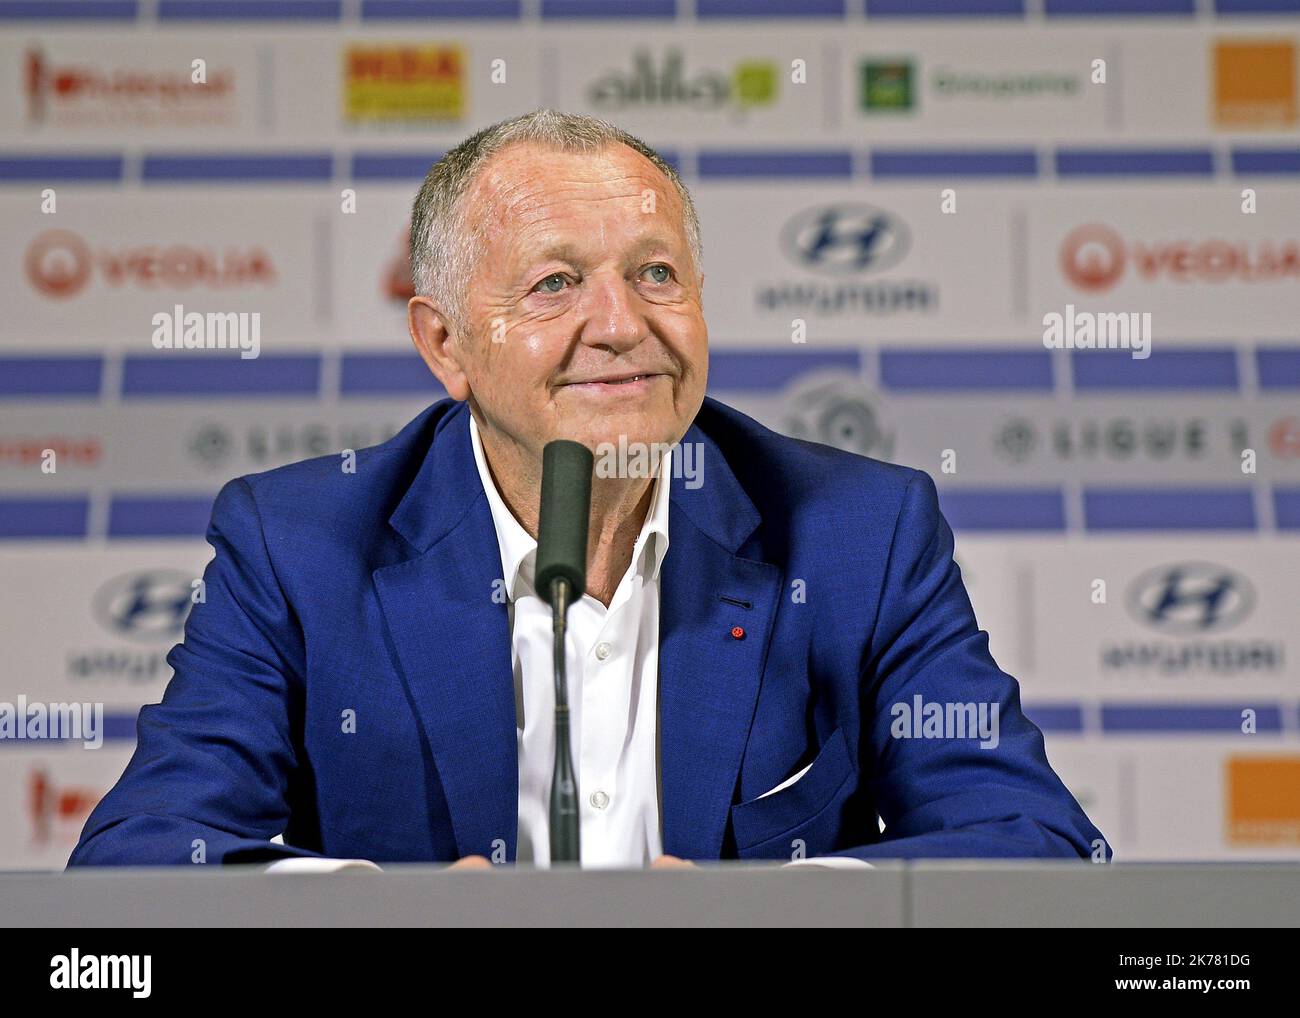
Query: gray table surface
x=931 y=894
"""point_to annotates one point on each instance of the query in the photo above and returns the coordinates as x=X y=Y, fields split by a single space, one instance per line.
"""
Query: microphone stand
x=561 y=577
x=564 y=784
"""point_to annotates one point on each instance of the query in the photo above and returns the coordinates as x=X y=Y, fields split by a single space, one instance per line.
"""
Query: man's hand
x=671 y=862
x=471 y=862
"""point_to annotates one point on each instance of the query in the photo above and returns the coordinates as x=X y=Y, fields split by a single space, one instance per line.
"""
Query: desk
x=718 y=894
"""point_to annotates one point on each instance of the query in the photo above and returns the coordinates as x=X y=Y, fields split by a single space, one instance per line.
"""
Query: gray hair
x=443 y=244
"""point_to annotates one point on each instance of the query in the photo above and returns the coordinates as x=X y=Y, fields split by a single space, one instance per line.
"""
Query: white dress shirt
x=612 y=661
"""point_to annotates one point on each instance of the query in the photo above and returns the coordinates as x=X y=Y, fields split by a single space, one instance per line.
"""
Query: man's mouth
x=616 y=380
x=620 y=381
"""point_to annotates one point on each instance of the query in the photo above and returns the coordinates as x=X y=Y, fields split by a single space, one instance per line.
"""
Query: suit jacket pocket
x=769 y=816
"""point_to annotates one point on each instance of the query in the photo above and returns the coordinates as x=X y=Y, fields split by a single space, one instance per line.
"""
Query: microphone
x=561 y=578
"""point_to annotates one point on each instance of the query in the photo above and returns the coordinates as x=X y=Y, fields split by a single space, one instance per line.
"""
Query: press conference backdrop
x=893 y=196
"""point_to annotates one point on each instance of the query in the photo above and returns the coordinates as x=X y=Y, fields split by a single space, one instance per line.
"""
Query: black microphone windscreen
x=564 y=517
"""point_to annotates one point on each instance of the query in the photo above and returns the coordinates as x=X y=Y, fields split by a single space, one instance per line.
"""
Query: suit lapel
x=708 y=678
x=452 y=640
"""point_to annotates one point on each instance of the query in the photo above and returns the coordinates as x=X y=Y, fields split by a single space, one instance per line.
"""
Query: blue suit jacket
x=371 y=593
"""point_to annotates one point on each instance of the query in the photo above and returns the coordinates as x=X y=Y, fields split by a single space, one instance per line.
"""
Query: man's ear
x=436 y=344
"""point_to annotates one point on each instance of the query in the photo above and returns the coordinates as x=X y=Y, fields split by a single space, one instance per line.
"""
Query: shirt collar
x=519 y=550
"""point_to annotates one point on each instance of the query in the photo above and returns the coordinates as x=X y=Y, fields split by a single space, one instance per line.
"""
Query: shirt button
x=599 y=800
x=603 y=650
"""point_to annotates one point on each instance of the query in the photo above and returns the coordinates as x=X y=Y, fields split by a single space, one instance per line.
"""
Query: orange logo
x=1255 y=84
x=1092 y=257
x=1264 y=800
x=58 y=263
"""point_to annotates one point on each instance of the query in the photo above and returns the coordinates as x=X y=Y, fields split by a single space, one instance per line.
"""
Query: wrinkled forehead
x=527 y=190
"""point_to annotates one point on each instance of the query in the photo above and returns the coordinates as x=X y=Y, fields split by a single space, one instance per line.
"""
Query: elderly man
x=775 y=657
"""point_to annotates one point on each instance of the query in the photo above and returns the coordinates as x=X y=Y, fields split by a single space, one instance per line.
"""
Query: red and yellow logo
x=403 y=83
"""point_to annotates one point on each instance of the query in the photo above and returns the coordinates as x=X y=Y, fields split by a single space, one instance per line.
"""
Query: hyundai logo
x=842 y=239
x=1191 y=597
x=146 y=606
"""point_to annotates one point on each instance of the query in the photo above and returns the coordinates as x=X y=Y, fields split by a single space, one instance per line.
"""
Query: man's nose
x=612 y=313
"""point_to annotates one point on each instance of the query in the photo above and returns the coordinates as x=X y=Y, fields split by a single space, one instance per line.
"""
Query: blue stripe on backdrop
x=901 y=370
x=162 y=375
x=966 y=509
x=775 y=163
x=1106 y=8
x=32 y=517
x=217 y=167
x=405 y=165
x=1003 y=508
x=770 y=9
x=120 y=726
x=1198 y=718
x=158 y=516
x=1118 y=370
x=883 y=163
x=467 y=9
x=1056 y=717
x=609 y=8
x=758 y=371
x=53 y=10
x=1266 y=160
x=1278 y=367
x=392 y=165
x=48 y=167
x=387 y=374
x=49 y=377
x=223 y=10
x=1013 y=162
x=944 y=8
x=1112 y=162
x=945 y=370
x=1286 y=508
x=1107 y=508
x=1257 y=6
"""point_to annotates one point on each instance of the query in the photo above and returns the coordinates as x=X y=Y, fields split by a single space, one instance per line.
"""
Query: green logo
x=887 y=85
x=754 y=83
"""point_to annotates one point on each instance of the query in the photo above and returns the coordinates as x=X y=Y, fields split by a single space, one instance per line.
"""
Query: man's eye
x=660 y=273
x=545 y=286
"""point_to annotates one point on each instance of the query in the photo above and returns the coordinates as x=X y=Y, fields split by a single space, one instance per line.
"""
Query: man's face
x=583 y=281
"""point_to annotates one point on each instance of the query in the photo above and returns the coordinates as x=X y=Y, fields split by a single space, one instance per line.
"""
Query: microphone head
x=564 y=517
